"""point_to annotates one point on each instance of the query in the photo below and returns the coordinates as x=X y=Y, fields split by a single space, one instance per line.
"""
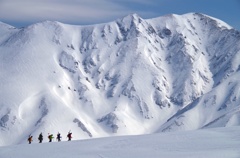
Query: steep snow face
x=129 y=76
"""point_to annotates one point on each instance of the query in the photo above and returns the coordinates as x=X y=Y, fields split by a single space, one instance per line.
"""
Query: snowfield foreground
x=208 y=143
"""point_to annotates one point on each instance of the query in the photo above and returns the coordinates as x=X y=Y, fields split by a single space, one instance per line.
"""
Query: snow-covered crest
x=129 y=76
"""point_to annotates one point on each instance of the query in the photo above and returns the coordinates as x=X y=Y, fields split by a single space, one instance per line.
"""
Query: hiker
x=50 y=137
x=30 y=139
x=69 y=136
x=59 y=137
x=40 y=138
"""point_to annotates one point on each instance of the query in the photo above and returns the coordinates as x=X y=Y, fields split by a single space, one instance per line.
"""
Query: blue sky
x=21 y=13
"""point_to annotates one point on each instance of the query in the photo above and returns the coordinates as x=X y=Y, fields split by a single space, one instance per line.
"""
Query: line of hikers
x=50 y=137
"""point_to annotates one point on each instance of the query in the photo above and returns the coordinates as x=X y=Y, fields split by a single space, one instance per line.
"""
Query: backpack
x=69 y=135
x=50 y=136
x=40 y=137
x=30 y=138
x=58 y=136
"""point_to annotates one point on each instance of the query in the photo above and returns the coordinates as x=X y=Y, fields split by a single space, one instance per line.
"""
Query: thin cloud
x=137 y=2
x=62 y=10
x=84 y=11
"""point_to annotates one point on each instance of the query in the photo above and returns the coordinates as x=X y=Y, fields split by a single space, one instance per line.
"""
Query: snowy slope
x=129 y=76
x=219 y=143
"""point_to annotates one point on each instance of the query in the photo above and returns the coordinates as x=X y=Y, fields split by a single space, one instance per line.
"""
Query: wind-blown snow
x=127 y=77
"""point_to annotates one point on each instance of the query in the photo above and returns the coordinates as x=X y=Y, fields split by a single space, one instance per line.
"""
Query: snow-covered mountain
x=126 y=77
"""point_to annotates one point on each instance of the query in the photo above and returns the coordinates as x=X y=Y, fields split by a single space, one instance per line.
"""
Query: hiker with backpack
x=50 y=137
x=40 y=138
x=69 y=135
x=30 y=139
x=59 y=137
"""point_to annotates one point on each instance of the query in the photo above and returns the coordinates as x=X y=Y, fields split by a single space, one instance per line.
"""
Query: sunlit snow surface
x=211 y=143
x=131 y=76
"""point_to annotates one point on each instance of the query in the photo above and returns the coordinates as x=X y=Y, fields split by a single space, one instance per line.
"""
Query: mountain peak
x=131 y=18
x=211 y=20
x=45 y=23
